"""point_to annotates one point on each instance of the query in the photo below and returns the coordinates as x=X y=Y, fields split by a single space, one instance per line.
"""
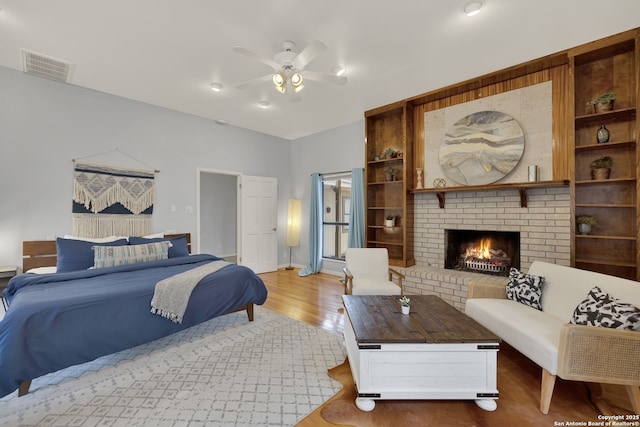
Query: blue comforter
x=63 y=319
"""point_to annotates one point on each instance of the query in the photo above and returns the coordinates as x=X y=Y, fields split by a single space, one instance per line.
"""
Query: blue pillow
x=76 y=255
x=179 y=248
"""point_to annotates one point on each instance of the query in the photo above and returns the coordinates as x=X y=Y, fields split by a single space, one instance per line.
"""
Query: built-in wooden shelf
x=605 y=262
x=605 y=145
x=596 y=236
x=522 y=187
x=604 y=181
x=607 y=115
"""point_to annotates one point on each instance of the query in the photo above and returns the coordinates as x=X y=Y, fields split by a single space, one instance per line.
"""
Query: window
x=336 y=207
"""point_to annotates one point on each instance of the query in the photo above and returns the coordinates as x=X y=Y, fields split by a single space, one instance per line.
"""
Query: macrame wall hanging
x=110 y=200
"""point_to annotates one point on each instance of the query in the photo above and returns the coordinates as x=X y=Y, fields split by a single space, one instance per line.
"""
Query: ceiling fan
x=288 y=68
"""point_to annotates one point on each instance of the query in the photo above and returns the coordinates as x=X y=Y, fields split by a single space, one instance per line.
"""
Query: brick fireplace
x=543 y=227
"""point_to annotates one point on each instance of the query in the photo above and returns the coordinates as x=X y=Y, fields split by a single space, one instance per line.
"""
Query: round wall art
x=481 y=148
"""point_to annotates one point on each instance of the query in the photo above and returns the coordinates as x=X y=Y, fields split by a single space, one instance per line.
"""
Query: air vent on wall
x=45 y=66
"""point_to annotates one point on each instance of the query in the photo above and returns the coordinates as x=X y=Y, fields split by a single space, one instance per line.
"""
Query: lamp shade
x=293 y=222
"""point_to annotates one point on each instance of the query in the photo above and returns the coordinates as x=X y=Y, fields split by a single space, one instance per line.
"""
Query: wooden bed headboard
x=42 y=253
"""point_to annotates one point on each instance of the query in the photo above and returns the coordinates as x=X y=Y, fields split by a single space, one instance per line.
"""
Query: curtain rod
x=334 y=173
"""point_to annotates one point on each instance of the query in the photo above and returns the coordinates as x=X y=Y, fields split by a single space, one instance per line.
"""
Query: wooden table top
x=378 y=319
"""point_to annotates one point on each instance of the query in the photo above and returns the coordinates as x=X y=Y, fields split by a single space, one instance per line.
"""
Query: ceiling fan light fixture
x=339 y=70
x=280 y=81
x=296 y=82
x=472 y=8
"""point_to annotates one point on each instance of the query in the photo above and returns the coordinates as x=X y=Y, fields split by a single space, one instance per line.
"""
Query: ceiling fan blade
x=246 y=52
x=257 y=80
x=325 y=78
x=309 y=53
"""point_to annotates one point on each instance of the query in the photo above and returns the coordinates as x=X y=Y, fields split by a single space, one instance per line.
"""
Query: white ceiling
x=167 y=52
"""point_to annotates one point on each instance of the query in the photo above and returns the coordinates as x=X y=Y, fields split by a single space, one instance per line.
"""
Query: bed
x=56 y=320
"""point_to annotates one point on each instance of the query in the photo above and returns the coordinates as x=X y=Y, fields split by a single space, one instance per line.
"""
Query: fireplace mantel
x=521 y=186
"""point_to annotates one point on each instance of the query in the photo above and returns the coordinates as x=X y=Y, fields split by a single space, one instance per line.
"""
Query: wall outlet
x=188 y=209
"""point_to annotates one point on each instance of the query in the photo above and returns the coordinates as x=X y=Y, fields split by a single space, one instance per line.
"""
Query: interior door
x=258 y=215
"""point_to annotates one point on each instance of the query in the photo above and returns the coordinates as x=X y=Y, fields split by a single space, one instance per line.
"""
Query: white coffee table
x=435 y=352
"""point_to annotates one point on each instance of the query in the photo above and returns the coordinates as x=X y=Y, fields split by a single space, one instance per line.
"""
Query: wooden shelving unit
x=389 y=128
x=609 y=65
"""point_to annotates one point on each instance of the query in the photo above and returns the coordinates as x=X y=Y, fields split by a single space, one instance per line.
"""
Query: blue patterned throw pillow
x=525 y=288
x=601 y=309
x=111 y=256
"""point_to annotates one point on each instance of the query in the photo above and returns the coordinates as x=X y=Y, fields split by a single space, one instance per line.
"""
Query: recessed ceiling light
x=264 y=104
x=221 y=122
x=339 y=70
x=472 y=8
x=216 y=87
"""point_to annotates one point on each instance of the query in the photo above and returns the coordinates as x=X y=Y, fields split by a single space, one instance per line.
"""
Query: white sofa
x=572 y=352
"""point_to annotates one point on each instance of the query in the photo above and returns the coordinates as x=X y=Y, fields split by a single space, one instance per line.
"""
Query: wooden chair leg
x=634 y=395
x=24 y=388
x=546 y=391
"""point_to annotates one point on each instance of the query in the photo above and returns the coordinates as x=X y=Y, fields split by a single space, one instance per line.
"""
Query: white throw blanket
x=172 y=294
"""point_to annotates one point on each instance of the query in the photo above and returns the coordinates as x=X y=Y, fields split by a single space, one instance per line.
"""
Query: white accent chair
x=367 y=272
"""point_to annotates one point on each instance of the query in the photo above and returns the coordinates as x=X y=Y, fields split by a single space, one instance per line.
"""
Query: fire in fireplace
x=490 y=252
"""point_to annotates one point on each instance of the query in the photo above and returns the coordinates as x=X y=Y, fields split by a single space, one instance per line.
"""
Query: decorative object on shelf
x=439 y=183
x=586 y=223
x=419 y=179
x=601 y=168
x=534 y=173
x=603 y=103
x=603 y=134
x=389 y=153
x=389 y=173
x=390 y=221
x=481 y=148
x=405 y=304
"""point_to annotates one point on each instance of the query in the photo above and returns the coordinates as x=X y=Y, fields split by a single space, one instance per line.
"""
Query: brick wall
x=544 y=227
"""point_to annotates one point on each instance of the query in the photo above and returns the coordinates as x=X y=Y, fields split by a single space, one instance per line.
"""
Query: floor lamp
x=293 y=226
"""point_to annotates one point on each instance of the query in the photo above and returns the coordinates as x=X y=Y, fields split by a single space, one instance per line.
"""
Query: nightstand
x=6 y=273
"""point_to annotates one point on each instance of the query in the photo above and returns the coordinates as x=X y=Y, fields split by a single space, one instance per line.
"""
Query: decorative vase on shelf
x=406 y=309
x=584 y=228
x=389 y=223
x=603 y=134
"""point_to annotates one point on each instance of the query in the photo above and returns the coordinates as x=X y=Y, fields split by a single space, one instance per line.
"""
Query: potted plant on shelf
x=603 y=102
x=390 y=221
x=389 y=173
x=601 y=168
x=586 y=223
x=405 y=304
x=389 y=153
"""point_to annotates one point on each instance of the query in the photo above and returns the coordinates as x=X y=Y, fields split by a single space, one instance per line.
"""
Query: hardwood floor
x=316 y=300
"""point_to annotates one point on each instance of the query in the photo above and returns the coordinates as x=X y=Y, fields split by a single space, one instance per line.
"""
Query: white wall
x=335 y=150
x=45 y=124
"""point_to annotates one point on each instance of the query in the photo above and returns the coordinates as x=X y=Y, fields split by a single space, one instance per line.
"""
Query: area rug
x=225 y=372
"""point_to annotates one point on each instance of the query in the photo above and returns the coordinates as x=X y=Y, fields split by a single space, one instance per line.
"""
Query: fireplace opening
x=482 y=251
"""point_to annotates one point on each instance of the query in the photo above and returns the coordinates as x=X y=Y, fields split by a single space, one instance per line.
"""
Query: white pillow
x=95 y=239
x=154 y=236
x=42 y=270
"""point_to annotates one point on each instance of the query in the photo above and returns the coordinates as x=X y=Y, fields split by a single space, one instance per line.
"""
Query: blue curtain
x=356 y=217
x=315 y=228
